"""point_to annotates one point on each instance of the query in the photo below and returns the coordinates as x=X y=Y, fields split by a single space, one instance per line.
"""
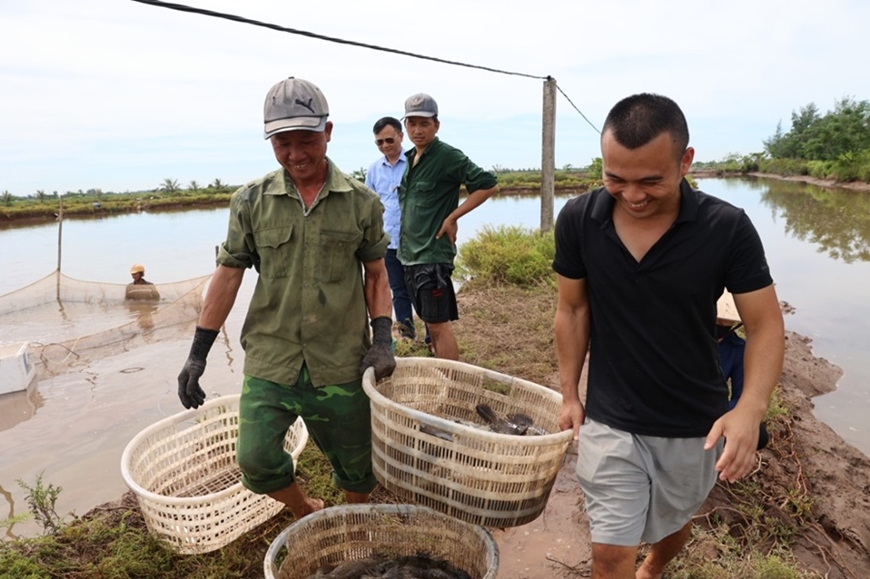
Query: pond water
x=74 y=427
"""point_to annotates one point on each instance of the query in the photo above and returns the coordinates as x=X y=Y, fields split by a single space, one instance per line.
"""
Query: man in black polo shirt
x=640 y=264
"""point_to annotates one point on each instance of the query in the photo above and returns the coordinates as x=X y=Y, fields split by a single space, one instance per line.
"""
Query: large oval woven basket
x=183 y=471
x=349 y=532
x=425 y=451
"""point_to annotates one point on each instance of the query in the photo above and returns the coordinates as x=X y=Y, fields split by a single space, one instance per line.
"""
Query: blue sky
x=118 y=95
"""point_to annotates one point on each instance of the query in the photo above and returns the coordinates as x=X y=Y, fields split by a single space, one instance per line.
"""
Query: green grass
x=510 y=255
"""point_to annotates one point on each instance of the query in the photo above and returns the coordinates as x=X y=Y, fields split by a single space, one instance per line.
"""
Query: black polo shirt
x=654 y=362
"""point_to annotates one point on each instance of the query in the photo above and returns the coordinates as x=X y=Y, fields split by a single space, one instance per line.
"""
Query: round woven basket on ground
x=349 y=532
x=183 y=471
x=425 y=451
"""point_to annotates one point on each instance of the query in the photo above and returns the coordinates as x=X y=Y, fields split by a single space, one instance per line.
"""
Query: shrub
x=508 y=255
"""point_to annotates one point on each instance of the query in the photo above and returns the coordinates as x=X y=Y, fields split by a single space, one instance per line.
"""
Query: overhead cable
x=576 y=109
x=242 y=19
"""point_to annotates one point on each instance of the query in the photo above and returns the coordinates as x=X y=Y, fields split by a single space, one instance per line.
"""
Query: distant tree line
x=834 y=145
x=169 y=194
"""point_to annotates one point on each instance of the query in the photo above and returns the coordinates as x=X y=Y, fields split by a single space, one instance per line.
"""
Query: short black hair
x=384 y=122
x=636 y=120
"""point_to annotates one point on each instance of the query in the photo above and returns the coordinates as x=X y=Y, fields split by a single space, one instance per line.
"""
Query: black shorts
x=432 y=290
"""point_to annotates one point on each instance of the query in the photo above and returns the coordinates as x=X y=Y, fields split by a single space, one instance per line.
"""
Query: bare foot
x=644 y=573
x=298 y=502
x=310 y=506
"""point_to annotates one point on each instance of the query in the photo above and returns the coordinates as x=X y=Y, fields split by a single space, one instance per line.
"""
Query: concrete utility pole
x=548 y=155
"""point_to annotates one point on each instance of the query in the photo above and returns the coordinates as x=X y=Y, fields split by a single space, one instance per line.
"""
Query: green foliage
x=596 y=169
x=15 y=564
x=360 y=174
x=784 y=166
x=732 y=559
x=96 y=202
x=530 y=179
x=844 y=131
x=508 y=255
x=776 y=409
x=41 y=500
x=7 y=198
x=170 y=186
x=218 y=185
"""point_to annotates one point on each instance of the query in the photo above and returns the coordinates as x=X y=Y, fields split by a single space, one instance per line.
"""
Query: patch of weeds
x=774 y=567
x=11 y=521
x=112 y=541
x=777 y=408
x=782 y=531
x=713 y=554
x=508 y=254
x=800 y=504
x=41 y=500
x=16 y=564
x=412 y=349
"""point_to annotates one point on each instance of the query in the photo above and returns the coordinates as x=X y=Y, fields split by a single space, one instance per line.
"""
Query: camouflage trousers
x=338 y=420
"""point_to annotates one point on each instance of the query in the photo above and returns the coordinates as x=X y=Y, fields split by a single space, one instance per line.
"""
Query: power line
x=576 y=109
x=242 y=19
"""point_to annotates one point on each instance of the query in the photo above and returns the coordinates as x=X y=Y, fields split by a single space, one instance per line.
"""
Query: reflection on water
x=836 y=220
x=60 y=321
x=17 y=407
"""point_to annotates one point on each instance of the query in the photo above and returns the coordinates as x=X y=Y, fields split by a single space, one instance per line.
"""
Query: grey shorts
x=641 y=488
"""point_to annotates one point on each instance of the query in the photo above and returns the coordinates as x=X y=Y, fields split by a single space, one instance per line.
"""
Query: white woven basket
x=183 y=471
x=473 y=474
x=349 y=532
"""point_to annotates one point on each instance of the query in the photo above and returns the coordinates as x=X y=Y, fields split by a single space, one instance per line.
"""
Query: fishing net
x=69 y=322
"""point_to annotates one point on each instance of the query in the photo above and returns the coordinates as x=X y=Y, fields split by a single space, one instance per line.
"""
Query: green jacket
x=308 y=304
x=428 y=194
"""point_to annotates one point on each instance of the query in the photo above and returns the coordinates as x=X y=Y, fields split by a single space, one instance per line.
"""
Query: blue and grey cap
x=421 y=105
x=294 y=105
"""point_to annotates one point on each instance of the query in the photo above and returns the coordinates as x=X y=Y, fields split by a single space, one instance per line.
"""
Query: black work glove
x=189 y=392
x=380 y=355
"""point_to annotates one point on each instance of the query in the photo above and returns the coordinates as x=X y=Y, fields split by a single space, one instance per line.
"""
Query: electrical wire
x=244 y=20
x=233 y=17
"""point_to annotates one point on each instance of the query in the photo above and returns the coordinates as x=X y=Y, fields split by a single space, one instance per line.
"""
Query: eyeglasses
x=388 y=140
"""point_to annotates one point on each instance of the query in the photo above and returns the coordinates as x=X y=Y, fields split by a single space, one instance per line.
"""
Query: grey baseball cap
x=294 y=105
x=421 y=105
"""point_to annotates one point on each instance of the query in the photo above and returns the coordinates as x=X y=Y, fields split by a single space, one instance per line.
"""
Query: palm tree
x=194 y=186
x=170 y=186
x=40 y=195
x=7 y=198
x=218 y=185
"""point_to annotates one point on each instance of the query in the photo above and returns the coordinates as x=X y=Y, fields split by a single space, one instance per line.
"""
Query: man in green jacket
x=429 y=198
x=317 y=240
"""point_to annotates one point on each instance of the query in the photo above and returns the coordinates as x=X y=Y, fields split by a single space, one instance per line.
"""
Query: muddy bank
x=809 y=484
x=810 y=492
